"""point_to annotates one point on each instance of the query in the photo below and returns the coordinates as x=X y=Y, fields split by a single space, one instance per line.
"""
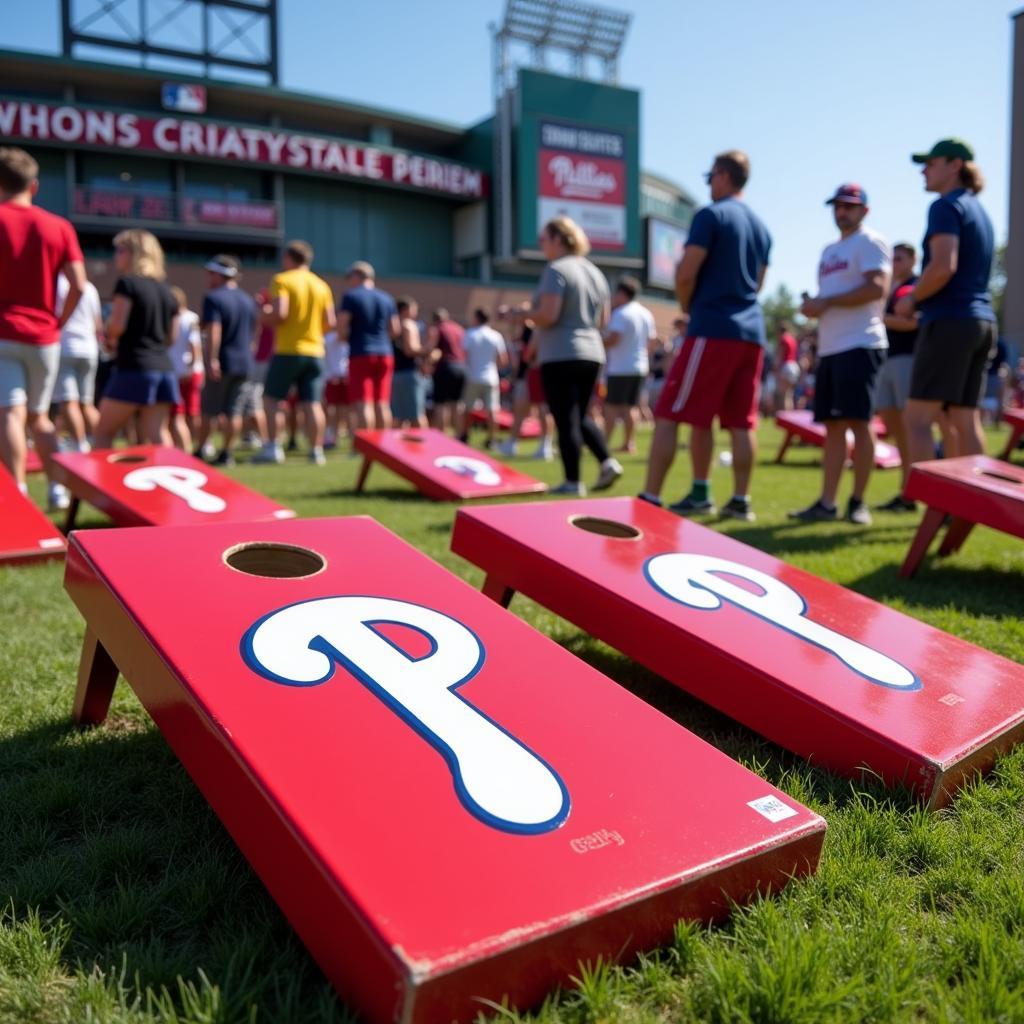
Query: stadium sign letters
x=497 y=779
x=697 y=581
x=179 y=136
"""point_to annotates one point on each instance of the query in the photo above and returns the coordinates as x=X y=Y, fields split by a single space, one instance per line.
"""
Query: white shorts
x=478 y=391
x=28 y=374
x=76 y=379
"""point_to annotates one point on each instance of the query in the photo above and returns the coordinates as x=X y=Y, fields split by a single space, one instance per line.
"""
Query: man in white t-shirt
x=627 y=338
x=853 y=282
x=485 y=354
x=79 y=355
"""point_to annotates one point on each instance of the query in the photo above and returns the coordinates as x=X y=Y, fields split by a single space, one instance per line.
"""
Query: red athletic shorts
x=369 y=378
x=713 y=377
x=535 y=386
x=191 y=388
x=336 y=391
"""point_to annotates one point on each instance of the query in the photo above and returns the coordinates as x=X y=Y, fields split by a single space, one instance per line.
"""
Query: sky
x=817 y=94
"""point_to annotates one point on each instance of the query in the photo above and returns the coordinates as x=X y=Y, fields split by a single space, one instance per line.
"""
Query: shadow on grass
x=789 y=537
x=105 y=833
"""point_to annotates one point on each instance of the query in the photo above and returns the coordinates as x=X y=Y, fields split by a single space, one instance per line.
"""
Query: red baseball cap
x=849 y=193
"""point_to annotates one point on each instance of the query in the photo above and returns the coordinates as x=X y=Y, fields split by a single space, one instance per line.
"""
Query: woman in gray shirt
x=570 y=307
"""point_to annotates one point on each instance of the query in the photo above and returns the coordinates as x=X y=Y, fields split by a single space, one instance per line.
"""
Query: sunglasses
x=710 y=174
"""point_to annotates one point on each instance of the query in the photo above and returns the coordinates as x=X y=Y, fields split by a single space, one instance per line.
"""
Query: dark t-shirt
x=143 y=346
x=724 y=303
x=966 y=295
x=451 y=342
x=901 y=343
x=370 y=311
x=235 y=311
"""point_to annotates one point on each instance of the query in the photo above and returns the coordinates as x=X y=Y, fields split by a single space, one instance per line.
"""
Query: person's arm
x=330 y=321
x=343 y=324
x=943 y=260
x=409 y=340
x=546 y=310
x=275 y=312
x=214 y=336
x=74 y=271
x=172 y=330
x=875 y=286
x=603 y=315
x=686 y=274
x=503 y=357
x=612 y=338
x=120 y=309
x=394 y=325
x=894 y=322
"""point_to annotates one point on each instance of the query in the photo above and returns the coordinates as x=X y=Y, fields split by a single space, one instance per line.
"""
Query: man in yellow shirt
x=301 y=311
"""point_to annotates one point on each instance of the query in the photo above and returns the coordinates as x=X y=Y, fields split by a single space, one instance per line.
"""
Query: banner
x=581 y=174
x=265 y=147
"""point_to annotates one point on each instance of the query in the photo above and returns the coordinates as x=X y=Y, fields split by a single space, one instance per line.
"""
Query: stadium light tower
x=532 y=33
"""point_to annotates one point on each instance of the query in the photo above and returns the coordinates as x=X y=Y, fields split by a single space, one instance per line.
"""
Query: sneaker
x=545 y=452
x=898 y=504
x=690 y=506
x=316 y=457
x=857 y=512
x=57 y=497
x=610 y=472
x=575 y=488
x=816 y=513
x=253 y=442
x=650 y=499
x=735 y=508
x=507 y=448
x=269 y=453
x=224 y=458
x=293 y=445
x=207 y=453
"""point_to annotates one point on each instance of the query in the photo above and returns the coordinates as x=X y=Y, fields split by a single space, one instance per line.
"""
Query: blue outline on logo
x=916 y=685
x=321 y=645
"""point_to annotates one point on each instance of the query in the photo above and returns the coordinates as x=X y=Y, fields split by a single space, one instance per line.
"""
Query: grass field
x=123 y=899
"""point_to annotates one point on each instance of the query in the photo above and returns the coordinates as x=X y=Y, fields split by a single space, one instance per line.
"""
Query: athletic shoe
x=656 y=502
x=316 y=457
x=816 y=513
x=224 y=458
x=293 y=444
x=857 y=512
x=269 y=453
x=57 y=497
x=898 y=504
x=573 y=487
x=734 y=508
x=545 y=452
x=507 y=448
x=690 y=506
x=610 y=472
x=207 y=453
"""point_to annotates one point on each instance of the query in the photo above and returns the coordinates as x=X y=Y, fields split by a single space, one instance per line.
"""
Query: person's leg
x=918 y=417
x=630 y=419
x=970 y=438
x=563 y=401
x=153 y=423
x=833 y=460
x=315 y=424
x=863 y=457
x=74 y=421
x=181 y=436
x=114 y=415
x=272 y=416
x=664 y=444
x=612 y=415
x=702 y=449
x=12 y=441
x=896 y=432
x=744 y=450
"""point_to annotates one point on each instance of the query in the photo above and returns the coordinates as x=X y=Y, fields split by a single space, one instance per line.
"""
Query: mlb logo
x=189 y=99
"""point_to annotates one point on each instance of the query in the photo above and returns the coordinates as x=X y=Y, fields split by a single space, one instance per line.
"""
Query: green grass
x=123 y=899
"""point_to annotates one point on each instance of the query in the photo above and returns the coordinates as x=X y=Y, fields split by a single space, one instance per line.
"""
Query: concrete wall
x=1013 y=304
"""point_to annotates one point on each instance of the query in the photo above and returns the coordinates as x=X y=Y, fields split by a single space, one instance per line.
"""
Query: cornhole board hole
x=26 y=535
x=153 y=486
x=445 y=804
x=440 y=467
x=832 y=675
x=800 y=423
x=1015 y=417
x=503 y=420
x=972 y=490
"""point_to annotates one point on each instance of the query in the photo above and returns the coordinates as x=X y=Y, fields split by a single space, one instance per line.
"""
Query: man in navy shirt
x=368 y=320
x=958 y=324
x=229 y=322
x=718 y=369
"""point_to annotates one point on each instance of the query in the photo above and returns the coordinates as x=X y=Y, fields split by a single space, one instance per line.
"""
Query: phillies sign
x=185 y=137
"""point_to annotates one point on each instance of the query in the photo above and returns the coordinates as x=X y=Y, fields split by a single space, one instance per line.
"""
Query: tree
x=780 y=307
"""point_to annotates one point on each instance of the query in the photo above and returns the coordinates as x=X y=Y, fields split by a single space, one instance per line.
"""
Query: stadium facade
x=210 y=166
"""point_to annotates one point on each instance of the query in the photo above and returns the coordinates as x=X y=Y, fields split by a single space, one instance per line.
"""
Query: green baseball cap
x=951 y=149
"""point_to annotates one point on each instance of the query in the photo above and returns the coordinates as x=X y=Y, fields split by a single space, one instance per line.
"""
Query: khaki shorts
x=477 y=391
x=28 y=374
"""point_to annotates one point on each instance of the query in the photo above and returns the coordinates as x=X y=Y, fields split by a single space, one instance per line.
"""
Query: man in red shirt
x=34 y=246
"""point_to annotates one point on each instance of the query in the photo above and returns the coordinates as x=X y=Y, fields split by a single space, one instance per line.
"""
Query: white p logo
x=497 y=778
x=182 y=481
x=695 y=580
x=476 y=469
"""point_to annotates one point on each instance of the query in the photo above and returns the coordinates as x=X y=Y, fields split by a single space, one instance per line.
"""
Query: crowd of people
x=582 y=358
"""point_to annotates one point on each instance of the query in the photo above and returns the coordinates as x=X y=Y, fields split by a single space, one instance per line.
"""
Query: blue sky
x=817 y=94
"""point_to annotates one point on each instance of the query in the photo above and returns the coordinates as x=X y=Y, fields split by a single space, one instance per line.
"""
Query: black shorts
x=844 y=385
x=625 y=390
x=223 y=396
x=949 y=361
x=449 y=379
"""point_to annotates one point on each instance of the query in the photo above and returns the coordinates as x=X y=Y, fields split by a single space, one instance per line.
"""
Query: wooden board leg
x=1015 y=435
x=72 y=515
x=919 y=545
x=786 y=442
x=955 y=536
x=97 y=675
x=364 y=472
x=497 y=591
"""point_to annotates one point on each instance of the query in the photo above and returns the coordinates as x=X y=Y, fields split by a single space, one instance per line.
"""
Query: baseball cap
x=951 y=149
x=849 y=193
x=226 y=266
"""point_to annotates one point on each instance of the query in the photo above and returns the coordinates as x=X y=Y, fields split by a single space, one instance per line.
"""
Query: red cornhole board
x=153 y=486
x=972 y=489
x=1015 y=417
x=832 y=675
x=26 y=535
x=440 y=467
x=503 y=420
x=33 y=463
x=800 y=423
x=430 y=847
